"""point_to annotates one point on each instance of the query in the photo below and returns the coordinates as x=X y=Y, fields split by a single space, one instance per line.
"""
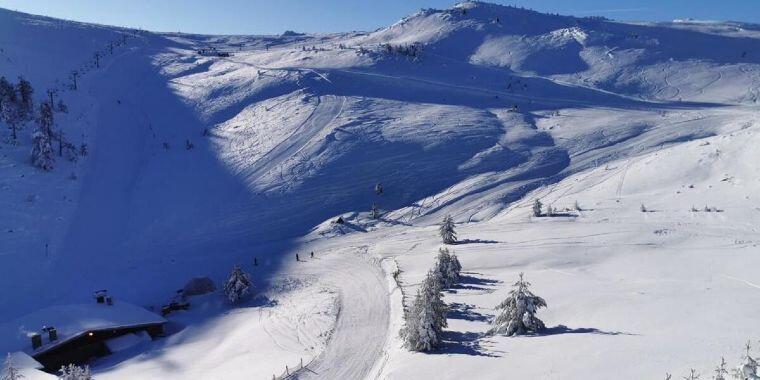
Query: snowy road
x=362 y=326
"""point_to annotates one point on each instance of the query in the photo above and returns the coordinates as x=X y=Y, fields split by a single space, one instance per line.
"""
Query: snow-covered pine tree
x=448 y=266
x=419 y=331
x=9 y=107
x=448 y=235
x=74 y=372
x=721 y=371
x=10 y=372
x=431 y=288
x=747 y=370
x=517 y=313
x=42 y=150
x=442 y=266
x=238 y=285
x=537 y=208
x=426 y=318
x=454 y=269
x=25 y=100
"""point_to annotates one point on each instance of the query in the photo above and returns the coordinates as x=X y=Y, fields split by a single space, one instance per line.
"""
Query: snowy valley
x=323 y=166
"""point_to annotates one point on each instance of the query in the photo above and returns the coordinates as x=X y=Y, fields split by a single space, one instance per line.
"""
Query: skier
x=312 y=254
x=297 y=259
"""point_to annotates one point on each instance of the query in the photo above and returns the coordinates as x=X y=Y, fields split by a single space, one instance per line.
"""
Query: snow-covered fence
x=289 y=372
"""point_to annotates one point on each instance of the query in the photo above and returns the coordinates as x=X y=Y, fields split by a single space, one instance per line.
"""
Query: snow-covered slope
x=199 y=162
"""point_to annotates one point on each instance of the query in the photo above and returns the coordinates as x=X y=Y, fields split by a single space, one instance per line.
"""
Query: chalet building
x=59 y=335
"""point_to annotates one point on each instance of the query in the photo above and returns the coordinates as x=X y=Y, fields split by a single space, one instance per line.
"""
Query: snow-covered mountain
x=210 y=151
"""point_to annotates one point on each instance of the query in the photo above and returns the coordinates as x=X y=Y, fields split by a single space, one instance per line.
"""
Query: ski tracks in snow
x=358 y=339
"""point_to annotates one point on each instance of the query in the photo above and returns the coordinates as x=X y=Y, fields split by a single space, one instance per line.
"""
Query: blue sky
x=275 y=16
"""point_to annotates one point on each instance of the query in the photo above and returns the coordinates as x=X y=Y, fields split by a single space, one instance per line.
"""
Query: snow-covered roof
x=21 y=359
x=71 y=321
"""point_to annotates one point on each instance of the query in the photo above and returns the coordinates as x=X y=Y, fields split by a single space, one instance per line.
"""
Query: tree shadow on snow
x=467 y=282
x=562 y=329
x=464 y=311
x=466 y=343
x=476 y=241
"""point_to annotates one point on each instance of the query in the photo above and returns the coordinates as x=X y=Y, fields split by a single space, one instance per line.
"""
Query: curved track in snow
x=361 y=329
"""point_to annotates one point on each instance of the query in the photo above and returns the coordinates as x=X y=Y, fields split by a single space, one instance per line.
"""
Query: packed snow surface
x=199 y=161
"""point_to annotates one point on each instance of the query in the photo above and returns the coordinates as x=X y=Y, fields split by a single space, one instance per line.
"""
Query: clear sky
x=276 y=16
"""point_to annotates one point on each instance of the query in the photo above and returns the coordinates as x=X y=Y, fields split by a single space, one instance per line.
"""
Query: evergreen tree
x=448 y=266
x=720 y=371
x=7 y=96
x=537 y=208
x=74 y=372
x=419 y=333
x=9 y=107
x=448 y=235
x=238 y=285
x=25 y=101
x=517 y=313
x=454 y=269
x=426 y=318
x=42 y=150
x=432 y=288
x=748 y=368
x=10 y=372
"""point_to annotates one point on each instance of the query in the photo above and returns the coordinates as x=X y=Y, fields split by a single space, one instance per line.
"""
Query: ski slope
x=198 y=163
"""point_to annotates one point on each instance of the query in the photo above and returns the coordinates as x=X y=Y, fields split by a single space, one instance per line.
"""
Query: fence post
x=301 y=363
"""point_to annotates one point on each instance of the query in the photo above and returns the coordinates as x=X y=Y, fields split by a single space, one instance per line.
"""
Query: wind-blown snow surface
x=503 y=105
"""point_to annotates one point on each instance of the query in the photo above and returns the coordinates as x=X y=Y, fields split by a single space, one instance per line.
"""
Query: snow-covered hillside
x=199 y=161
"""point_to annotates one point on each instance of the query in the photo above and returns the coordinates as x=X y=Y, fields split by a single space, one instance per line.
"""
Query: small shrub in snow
x=448 y=235
x=449 y=267
x=10 y=372
x=537 y=208
x=693 y=375
x=238 y=285
x=517 y=313
x=74 y=372
x=426 y=318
